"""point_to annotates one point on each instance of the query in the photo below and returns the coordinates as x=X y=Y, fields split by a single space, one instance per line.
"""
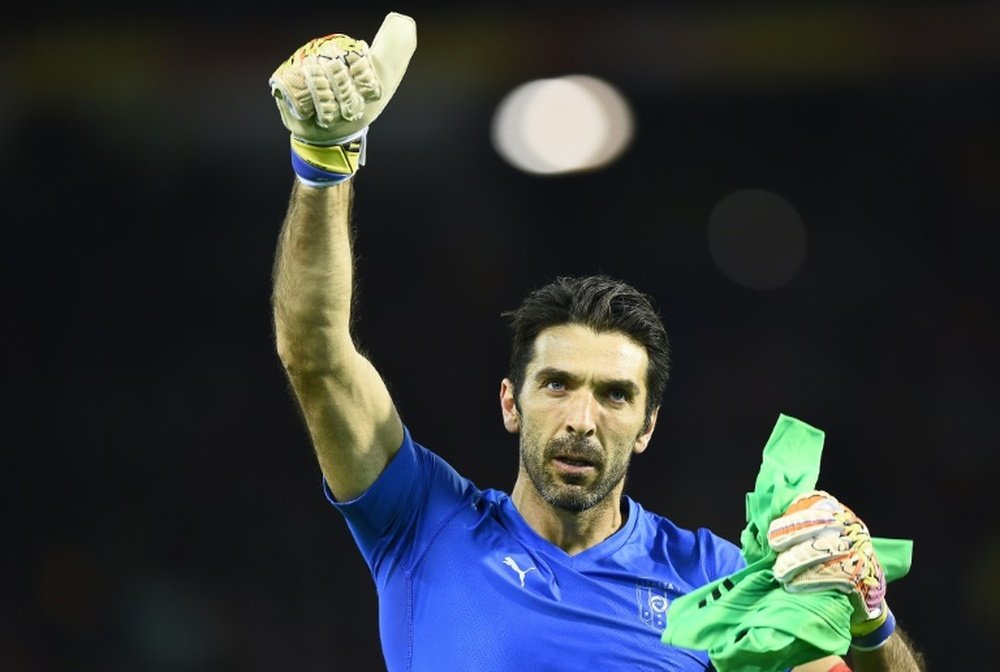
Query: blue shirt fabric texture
x=464 y=583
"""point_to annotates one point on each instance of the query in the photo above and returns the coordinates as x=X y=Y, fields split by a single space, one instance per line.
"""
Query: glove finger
x=394 y=44
x=809 y=514
x=814 y=499
x=319 y=76
x=793 y=528
x=813 y=552
x=819 y=578
x=363 y=74
x=289 y=88
x=349 y=100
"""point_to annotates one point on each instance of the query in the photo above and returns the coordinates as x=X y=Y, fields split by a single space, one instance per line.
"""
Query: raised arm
x=328 y=93
x=347 y=409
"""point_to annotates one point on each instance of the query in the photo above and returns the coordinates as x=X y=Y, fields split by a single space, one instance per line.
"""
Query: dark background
x=162 y=509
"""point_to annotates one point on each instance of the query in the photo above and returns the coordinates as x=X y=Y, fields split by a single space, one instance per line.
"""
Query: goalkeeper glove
x=330 y=91
x=823 y=545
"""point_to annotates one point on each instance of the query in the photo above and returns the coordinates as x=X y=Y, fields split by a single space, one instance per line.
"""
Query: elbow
x=312 y=357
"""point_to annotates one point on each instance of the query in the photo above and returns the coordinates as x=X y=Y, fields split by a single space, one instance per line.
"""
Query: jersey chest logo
x=521 y=573
x=652 y=601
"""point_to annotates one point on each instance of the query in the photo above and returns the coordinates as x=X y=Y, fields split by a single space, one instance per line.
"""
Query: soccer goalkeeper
x=564 y=572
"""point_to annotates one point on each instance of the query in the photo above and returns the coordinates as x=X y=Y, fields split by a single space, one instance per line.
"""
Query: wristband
x=326 y=165
x=877 y=637
x=840 y=667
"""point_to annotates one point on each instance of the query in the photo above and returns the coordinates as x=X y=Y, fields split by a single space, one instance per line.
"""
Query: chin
x=573 y=499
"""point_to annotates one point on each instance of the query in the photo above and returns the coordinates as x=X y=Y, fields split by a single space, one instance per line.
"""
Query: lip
x=569 y=465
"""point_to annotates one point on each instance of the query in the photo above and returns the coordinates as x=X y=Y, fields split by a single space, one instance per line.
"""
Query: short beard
x=556 y=492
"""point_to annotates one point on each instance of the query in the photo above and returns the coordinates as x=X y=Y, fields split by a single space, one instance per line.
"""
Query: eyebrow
x=623 y=383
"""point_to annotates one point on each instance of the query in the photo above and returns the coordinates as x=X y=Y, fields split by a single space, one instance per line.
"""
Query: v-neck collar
x=520 y=527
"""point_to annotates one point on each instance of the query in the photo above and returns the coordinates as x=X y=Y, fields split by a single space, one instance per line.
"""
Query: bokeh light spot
x=562 y=125
x=757 y=238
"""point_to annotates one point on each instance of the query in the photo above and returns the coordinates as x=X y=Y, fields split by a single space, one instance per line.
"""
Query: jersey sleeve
x=397 y=516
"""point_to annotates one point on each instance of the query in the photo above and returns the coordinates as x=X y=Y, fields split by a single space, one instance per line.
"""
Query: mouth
x=572 y=465
x=574 y=460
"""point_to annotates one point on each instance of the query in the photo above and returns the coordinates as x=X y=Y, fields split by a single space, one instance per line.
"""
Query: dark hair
x=601 y=303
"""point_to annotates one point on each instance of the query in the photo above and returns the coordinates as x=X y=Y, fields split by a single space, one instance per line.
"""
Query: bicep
x=352 y=421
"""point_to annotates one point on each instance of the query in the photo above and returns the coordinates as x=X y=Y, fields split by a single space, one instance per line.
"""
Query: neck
x=572 y=531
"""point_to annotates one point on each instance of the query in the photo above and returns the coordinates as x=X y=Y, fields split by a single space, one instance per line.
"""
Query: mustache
x=575 y=447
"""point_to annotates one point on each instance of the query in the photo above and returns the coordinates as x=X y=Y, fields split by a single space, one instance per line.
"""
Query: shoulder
x=415 y=480
x=434 y=470
x=692 y=551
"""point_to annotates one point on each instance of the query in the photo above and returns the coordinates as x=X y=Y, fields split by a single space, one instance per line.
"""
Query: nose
x=581 y=415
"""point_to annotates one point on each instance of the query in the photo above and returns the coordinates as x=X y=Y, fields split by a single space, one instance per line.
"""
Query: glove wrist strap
x=877 y=637
x=326 y=165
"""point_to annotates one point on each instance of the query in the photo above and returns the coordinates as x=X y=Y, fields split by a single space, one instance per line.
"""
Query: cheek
x=533 y=420
x=541 y=412
x=618 y=418
x=627 y=428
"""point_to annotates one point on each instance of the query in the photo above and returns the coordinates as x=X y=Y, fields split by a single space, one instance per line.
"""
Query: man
x=563 y=573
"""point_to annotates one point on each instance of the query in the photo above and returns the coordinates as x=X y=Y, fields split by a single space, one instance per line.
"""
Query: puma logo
x=509 y=561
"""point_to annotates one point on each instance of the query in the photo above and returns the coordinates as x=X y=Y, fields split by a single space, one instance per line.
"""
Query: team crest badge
x=652 y=601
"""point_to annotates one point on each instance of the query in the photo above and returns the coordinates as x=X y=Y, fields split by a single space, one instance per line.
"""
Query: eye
x=555 y=385
x=618 y=395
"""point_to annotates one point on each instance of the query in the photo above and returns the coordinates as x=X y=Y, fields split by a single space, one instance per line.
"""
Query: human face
x=580 y=413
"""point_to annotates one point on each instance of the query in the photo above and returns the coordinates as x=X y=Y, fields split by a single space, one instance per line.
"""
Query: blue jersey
x=465 y=584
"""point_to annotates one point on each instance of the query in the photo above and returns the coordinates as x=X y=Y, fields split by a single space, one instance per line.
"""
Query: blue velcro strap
x=314 y=176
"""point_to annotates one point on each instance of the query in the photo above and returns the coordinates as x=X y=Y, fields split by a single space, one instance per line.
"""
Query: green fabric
x=746 y=621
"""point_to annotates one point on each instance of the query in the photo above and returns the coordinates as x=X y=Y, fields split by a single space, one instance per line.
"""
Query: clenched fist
x=330 y=91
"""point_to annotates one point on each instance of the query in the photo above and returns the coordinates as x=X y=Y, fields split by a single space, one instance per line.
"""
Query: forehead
x=582 y=351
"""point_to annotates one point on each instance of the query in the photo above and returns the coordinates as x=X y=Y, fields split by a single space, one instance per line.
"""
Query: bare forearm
x=351 y=418
x=898 y=655
x=313 y=276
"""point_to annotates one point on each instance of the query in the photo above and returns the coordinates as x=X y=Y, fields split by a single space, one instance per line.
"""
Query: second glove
x=823 y=545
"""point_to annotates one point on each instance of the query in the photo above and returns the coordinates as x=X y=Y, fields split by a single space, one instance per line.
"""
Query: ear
x=646 y=434
x=508 y=407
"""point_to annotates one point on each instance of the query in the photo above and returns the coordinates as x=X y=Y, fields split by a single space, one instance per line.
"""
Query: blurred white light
x=757 y=238
x=619 y=127
x=561 y=125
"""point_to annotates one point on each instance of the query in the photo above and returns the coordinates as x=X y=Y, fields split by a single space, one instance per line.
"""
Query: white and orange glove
x=823 y=545
x=330 y=91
